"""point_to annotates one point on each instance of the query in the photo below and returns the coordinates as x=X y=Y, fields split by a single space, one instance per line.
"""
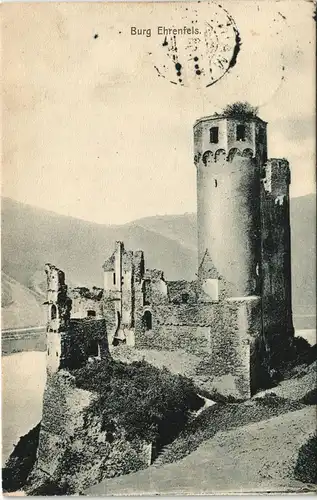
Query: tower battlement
x=220 y=137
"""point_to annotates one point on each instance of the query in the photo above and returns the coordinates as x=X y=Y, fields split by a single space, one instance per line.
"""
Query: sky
x=91 y=130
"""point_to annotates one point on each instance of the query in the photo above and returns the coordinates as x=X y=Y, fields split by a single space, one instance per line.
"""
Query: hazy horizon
x=128 y=221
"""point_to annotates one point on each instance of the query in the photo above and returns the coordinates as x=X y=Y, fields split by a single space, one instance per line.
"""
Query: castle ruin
x=237 y=316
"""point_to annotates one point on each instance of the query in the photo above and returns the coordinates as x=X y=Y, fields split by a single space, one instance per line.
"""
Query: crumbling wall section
x=86 y=302
x=223 y=337
x=276 y=259
x=76 y=449
x=84 y=338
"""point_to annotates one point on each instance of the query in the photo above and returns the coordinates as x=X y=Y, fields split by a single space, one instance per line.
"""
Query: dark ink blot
x=196 y=66
x=178 y=66
x=195 y=58
x=198 y=72
x=180 y=80
x=165 y=42
x=96 y=36
x=120 y=32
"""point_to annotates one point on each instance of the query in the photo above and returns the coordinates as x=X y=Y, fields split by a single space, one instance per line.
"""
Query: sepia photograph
x=158 y=248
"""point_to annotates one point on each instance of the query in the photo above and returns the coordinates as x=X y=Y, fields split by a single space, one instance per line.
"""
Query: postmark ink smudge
x=198 y=51
x=236 y=49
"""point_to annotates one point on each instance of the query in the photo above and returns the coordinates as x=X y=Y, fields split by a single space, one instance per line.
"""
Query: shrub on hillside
x=147 y=402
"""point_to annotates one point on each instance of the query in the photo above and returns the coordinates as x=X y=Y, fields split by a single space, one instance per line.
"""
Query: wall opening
x=185 y=297
x=91 y=313
x=147 y=320
x=53 y=312
x=247 y=153
x=207 y=157
x=220 y=154
x=93 y=348
x=240 y=133
x=233 y=152
x=214 y=135
x=261 y=135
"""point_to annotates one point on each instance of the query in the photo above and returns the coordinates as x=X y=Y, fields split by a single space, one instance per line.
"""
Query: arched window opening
x=220 y=154
x=147 y=320
x=53 y=312
x=232 y=153
x=247 y=153
x=207 y=157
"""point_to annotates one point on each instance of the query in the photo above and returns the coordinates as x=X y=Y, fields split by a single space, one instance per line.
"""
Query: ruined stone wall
x=75 y=449
x=276 y=257
x=127 y=292
x=63 y=406
x=224 y=337
x=86 y=303
x=84 y=338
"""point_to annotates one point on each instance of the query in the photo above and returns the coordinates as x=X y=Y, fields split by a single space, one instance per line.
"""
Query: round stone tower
x=230 y=152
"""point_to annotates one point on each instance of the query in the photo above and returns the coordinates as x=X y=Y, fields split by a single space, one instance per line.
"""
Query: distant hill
x=20 y=306
x=32 y=236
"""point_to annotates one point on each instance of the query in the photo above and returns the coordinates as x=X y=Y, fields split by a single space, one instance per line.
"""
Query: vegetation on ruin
x=149 y=403
x=241 y=110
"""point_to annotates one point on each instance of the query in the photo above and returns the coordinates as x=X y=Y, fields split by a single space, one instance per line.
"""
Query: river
x=23 y=382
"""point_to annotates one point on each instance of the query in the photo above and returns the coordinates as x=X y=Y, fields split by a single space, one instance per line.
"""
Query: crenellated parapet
x=219 y=138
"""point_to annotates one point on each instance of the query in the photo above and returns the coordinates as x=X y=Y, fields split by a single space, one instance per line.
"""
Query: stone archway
x=147 y=320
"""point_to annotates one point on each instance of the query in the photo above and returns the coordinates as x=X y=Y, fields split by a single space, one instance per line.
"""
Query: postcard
x=158 y=248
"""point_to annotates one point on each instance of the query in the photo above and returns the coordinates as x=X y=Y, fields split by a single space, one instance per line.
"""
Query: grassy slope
x=254 y=457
